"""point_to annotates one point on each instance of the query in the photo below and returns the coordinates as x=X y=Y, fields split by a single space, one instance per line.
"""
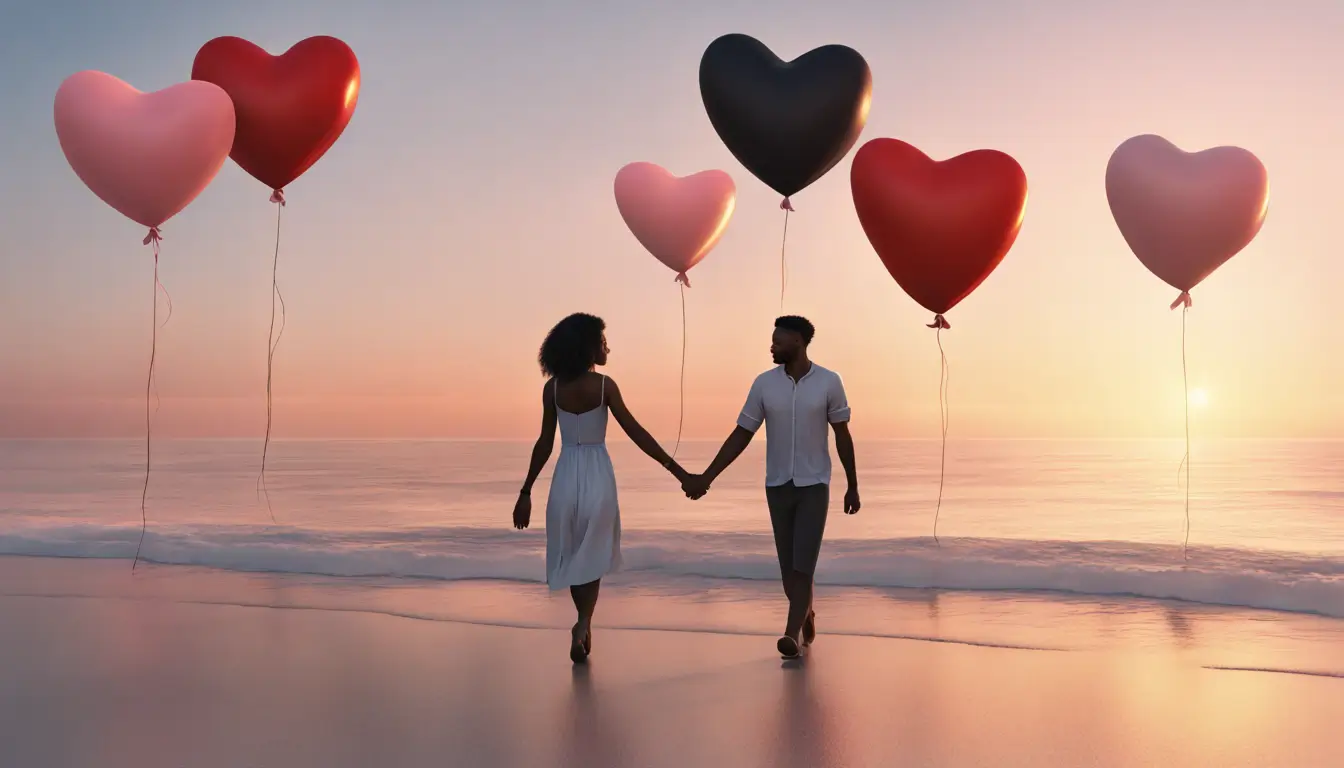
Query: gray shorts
x=798 y=516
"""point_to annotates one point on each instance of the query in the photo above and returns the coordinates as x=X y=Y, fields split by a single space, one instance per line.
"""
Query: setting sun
x=1199 y=398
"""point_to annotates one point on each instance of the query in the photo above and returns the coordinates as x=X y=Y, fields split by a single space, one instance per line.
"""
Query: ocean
x=1101 y=518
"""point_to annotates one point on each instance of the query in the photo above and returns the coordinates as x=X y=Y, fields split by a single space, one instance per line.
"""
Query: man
x=795 y=401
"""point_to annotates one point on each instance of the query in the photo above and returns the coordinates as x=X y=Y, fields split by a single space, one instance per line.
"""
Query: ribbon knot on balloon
x=278 y=196
x=785 y=205
x=683 y=279
x=154 y=236
x=1182 y=300
x=940 y=322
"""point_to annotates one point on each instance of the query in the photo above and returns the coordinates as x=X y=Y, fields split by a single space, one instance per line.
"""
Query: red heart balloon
x=939 y=227
x=291 y=108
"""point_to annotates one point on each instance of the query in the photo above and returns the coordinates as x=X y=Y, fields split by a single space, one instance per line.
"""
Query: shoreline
x=1201 y=634
x=1296 y=583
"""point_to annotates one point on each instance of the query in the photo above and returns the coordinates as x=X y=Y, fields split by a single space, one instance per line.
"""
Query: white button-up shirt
x=796 y=415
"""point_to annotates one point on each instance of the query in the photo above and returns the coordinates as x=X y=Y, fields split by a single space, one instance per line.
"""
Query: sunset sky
x=469 y=206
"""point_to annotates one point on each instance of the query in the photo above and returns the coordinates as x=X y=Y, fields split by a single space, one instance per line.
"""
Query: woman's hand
x=522 y=512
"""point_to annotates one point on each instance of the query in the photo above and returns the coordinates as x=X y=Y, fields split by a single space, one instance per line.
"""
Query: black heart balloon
x=786 y=122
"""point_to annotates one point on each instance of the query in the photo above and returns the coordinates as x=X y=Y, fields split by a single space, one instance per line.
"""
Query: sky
x=468 y=206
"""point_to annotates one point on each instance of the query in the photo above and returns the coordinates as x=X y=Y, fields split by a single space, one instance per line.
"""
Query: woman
x=583 y=520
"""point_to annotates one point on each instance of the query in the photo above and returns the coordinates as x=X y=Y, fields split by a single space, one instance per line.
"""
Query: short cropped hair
x=799 y=325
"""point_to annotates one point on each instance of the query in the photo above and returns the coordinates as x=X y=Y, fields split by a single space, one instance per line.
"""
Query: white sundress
x=583 y=519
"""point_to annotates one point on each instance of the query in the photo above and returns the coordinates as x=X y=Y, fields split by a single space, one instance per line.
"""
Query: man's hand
x=522 y=512
x=695 y=486
x=851 y=500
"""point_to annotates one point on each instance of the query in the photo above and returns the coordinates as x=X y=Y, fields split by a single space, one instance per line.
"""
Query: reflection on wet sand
x=592 y=730
x=803 y=735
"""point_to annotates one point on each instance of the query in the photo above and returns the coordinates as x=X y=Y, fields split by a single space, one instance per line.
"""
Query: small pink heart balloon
x=678 y=219
x=148 y=155
x=1185 y=213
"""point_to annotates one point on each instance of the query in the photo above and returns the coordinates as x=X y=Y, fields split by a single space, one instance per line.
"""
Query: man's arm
x=750 y=420
x=837 y=413
x=733 y=447
x=696 y=486
x=844 y=447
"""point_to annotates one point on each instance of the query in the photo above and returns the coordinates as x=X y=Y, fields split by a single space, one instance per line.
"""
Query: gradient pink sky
x=469 y=206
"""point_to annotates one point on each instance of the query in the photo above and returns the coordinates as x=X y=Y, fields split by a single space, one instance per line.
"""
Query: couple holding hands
x=798 y=401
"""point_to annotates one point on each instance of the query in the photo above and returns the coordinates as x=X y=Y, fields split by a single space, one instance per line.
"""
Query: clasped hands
x=695 y=486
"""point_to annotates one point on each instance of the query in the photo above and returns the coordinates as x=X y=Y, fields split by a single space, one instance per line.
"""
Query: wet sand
x=141 y=674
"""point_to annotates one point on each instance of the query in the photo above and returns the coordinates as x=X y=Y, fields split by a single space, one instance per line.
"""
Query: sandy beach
x=184 y=667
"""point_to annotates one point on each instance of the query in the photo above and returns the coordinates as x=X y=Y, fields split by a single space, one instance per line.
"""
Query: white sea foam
x=1222 y=576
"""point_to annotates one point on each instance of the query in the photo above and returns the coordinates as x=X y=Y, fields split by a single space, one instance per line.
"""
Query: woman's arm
x=638 y=434
x=541 y=452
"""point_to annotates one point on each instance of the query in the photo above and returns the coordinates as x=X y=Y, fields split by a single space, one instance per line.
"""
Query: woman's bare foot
x=577 y=653
x=810 y=628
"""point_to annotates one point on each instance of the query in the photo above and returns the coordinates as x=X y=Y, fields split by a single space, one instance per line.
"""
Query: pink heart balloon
x=678 y=219
x=148 y=155
x=1185 y=213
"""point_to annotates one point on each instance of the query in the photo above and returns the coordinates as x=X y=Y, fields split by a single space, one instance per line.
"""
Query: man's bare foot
x=577 y=653
x=810 y=628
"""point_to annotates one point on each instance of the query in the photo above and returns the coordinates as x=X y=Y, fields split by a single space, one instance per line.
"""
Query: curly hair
x=571 y=348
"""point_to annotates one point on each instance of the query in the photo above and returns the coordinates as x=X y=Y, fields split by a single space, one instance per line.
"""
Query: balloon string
x=1185 y=461
x=944 y=416
x=168 y=298
x=151 y=239
x=787 y=207
x=272 y=341
x=681 y=416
